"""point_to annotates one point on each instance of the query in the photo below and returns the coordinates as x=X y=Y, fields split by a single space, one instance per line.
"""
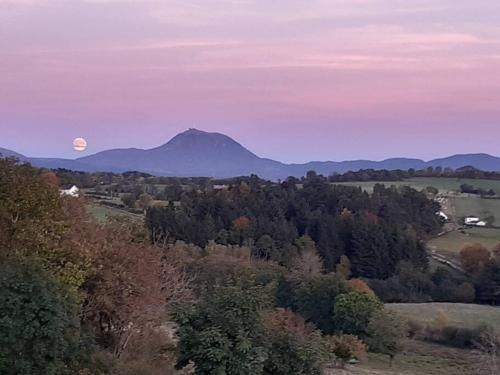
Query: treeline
x=375 y=231
x=399 y=175
x=126 y=179
x=470 y=189
x=122 y=181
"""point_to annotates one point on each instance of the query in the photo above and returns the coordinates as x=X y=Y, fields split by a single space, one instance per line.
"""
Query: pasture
x=475 y=206
x=103 y=213
x=422 y=358
x=459 y=314
x=451 y=243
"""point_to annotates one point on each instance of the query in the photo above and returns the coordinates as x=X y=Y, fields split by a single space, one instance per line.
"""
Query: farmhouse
x=442 y=215
x=72 y=192
x=474 y=221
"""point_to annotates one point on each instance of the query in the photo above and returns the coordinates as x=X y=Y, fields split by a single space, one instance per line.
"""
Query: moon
x=79 y=144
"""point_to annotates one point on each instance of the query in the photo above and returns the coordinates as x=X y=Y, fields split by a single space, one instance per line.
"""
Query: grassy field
x=418 y=358
x=102 y=213
x=451 y=243
x=476 y=206
x=425 y=358
x=444 y=185
x=459 y=314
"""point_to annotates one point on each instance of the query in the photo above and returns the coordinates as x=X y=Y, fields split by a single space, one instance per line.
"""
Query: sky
x=291 y=80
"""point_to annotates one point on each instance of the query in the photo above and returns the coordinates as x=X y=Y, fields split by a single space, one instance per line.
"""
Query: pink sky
x=291 y=80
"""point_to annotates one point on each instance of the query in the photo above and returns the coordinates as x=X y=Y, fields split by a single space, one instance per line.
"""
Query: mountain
x=191 y=153
x=483 y=162
x=198 y=153
x=11 y=154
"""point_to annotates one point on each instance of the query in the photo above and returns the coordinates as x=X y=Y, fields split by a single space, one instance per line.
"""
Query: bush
x=458 y=337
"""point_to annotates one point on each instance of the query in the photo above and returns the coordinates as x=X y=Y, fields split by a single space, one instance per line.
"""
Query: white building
x=72 y=192
x=472 y=220
x=475 y=221
x=443 y=215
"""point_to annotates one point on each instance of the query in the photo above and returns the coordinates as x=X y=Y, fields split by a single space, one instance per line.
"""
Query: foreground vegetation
x=254 y=278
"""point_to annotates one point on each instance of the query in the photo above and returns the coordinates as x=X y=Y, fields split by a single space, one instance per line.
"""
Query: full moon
x=79 y=144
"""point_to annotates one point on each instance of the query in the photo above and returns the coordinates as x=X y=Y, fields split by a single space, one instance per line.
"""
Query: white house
x=442 y=215
x=475 y=221
x=472 y=220
x=72 y=192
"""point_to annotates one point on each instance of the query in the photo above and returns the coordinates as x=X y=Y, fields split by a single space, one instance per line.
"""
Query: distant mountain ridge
x=199 y=153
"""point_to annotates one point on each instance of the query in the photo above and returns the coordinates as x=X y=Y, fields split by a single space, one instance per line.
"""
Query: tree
x=37 y=223
x=124 y=289
x=343 y=268
x=361 y=286
x=38 y=323
x=474 y=258
x=308 y=262
x=345 y=348
x=313 y=298
x=488 y=284
x=128 y=200
x=265 y=247
x=353 y=312
x=30 y=210
x=370 y=252
x=294 y=346
x=144 y=201
x=221 y=333
x=386 y=333
x=241 y=228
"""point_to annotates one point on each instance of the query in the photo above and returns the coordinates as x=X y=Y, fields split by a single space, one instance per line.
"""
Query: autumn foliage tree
x=36 y=222
x=123 y=288
x=294 y=347
x=474 y=258
x=361 y=286
x=109 y=276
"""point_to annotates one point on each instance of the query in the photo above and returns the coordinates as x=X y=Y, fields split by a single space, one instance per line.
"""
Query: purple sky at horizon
x=292 y=80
